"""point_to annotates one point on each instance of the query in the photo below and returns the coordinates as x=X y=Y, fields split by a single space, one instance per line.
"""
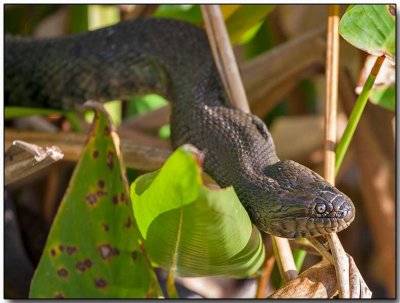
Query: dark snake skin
x=173 y=59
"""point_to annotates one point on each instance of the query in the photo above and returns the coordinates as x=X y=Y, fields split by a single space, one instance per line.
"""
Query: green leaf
x=384 y=96
x=79 y=19
x=259 y=43
x=245 y=18
x=190 y=228
x=93 y=249
x=144 y=104
x=370 y=28
x=185 y=12
x=114 y=109
x=165 y=132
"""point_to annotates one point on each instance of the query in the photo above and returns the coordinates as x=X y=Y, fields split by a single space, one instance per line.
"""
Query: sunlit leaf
x=93 y=248
x=244 y=19
x=191 y=228
x=165 y=132
x=371 y=28
x=228 y=9
x=144 y=104
x=114 y=109
x=102 y=16
x=260 y=42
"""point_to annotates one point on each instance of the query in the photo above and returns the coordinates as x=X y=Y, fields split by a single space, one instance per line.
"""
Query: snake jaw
x=338 y=213
x=300 y=227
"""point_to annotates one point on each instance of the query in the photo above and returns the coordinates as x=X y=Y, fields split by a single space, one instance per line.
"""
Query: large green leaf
x=371 y=28
x=93 y=248
x=191 y=228
x=244 y=23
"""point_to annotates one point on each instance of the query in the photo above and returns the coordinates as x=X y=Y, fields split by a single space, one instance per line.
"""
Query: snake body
x=173 y=59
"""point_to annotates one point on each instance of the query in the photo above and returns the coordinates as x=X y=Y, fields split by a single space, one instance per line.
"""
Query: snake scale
x=173 y=59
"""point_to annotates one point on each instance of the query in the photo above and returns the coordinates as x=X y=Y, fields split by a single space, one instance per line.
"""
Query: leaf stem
x=74 y=120
x=355 y=116
x=171 y=289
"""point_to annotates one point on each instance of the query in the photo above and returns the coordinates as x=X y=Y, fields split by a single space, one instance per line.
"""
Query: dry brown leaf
x=319 y=281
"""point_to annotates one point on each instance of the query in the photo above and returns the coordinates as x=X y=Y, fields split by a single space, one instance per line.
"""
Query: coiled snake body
x=173 y=59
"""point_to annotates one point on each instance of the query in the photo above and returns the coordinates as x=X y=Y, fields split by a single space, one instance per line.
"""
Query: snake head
x=304 y=204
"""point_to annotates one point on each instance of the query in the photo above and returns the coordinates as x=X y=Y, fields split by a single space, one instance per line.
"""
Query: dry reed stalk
x=348 y=277
x=224 y=56
x=332 y=77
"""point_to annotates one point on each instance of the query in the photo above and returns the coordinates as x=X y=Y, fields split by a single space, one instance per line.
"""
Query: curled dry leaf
x=319 y=281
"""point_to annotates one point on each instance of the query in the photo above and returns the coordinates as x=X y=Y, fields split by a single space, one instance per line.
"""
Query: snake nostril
x=341 y=214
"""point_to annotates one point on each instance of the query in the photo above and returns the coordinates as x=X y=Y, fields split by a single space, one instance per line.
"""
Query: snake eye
x=320 y=208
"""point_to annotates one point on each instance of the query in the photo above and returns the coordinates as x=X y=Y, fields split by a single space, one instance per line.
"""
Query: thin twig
x=284 y=258
x=224 y=56
x=139 y=156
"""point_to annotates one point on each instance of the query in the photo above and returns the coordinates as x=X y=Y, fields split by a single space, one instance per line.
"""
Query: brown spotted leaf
x=93 y=248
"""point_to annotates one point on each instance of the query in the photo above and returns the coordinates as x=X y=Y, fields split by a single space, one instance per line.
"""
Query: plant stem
x=332 y=76
x=171 y=289
x=14 y=112
x=355 y=116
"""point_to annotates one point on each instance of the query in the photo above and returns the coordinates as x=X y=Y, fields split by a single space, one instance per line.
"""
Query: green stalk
x=74 y=120
x=342 y=146
x=15 y=112
x=299 y=255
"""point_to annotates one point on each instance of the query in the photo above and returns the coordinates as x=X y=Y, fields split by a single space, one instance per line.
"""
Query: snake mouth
x=301 y=227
